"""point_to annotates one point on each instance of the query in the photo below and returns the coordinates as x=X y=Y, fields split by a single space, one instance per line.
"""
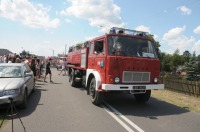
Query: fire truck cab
x=123 y=61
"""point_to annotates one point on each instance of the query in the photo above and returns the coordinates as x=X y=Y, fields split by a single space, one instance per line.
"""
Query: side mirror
x=28 y=74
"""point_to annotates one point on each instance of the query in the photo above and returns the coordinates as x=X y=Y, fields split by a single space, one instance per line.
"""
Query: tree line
x=176 y=64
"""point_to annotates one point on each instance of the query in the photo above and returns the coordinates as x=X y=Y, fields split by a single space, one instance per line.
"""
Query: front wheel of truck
x=144 y=97
x=95 y=96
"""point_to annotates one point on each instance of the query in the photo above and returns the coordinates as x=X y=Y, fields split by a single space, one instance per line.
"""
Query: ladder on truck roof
x=116 y=30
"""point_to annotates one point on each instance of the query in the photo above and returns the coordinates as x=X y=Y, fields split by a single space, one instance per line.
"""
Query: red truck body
x=122 y=61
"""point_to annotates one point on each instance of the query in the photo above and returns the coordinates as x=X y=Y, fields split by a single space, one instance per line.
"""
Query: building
x=5 y=52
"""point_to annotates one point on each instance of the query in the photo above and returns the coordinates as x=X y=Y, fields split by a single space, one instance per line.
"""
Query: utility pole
x=52 y=50
x=65 y=48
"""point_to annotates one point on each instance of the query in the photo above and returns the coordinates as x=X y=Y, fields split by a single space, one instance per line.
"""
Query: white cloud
x=63 y=13
x=177 y=40
x=89 y=38
x=146 y=29
x=155 y=36
x=68 y=21
x=31 y=15
x=185 y=10
x=143 y=28
x=102 y=13
x=46 y=42
x=196 y=46
x=197 y=30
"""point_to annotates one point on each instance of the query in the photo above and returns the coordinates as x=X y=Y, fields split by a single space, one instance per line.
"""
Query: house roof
x=5 y=52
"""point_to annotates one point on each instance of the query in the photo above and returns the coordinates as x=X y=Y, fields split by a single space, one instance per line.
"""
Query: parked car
x=16 y=82
x=59 y=62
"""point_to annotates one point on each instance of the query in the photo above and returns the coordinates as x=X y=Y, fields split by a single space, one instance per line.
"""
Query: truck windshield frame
x=131 y=46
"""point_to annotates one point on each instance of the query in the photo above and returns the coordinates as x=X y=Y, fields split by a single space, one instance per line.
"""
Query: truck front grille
x=136 y=77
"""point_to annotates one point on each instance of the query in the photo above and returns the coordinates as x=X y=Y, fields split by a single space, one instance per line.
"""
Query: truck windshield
x=130 y=46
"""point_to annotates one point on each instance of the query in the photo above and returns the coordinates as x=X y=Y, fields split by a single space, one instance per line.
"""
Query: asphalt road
x=58 y=107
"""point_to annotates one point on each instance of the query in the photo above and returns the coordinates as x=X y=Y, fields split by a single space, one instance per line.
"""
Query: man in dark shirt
x=48 y=71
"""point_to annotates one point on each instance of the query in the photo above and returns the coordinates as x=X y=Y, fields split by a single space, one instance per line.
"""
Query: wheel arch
x=24 y=89
x=90 y=74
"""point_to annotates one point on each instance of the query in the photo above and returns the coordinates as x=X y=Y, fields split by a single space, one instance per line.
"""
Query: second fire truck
x=122 y=61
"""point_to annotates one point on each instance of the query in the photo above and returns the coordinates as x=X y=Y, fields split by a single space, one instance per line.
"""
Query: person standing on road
x=38 y=64
x=33 y=68
x=48 y=71
x=63 y=63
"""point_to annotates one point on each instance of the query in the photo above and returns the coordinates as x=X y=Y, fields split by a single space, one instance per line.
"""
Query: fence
x=176 y=83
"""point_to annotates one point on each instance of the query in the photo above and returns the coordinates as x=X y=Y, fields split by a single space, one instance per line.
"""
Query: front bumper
x=122 y=87
x=17 y=98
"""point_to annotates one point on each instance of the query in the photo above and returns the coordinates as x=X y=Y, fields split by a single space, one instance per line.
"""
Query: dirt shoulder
x=185 y=101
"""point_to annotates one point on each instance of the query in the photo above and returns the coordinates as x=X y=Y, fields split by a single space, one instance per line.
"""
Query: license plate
x=139 y=87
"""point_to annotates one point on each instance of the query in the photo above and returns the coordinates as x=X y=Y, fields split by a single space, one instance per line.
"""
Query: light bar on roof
x=116 y=30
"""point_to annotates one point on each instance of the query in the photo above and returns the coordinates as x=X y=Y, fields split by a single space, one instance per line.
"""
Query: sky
x=48 y=27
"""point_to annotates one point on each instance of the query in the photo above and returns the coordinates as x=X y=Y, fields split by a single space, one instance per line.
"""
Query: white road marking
x=117 y=119
x=123 y=117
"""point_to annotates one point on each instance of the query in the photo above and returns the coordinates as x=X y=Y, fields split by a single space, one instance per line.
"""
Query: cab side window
x=99 y=46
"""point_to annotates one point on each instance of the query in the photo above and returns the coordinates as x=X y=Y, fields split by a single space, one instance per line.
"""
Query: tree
x=165 y=62
x=176 y=60
x=198 y=58
x=25 y=53
x=186 y=56
x=193 y=69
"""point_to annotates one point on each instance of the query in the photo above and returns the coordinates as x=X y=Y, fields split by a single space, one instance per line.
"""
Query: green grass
x=182 y=100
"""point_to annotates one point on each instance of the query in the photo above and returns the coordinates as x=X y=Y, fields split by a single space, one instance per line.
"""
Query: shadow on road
x=127 y=105
x=33 y=101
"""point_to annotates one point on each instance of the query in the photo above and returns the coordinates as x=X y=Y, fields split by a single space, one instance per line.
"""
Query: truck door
x=97 y=57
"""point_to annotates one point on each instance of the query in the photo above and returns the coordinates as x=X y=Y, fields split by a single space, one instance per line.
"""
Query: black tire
x=72 y=79
x=95 y=96
x=25 y=100
x=144 y=97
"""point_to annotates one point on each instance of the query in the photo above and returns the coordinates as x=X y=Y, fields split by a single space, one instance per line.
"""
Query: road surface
x=58 y=107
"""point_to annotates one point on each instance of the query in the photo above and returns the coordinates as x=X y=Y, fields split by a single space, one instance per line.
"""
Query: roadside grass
x=179 y=99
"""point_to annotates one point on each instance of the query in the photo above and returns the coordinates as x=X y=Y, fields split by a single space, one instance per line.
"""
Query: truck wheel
x=144 y=97
x=72 y=79
x=95 y=96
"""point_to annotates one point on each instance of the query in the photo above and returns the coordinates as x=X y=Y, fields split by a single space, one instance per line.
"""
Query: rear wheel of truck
x=95 y=96
x=72 y=79
x=144 y=97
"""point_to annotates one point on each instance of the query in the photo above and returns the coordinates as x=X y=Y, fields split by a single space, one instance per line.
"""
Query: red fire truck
x=122 y=61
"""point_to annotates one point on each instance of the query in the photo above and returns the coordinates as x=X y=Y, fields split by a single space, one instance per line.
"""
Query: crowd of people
x=36 y=64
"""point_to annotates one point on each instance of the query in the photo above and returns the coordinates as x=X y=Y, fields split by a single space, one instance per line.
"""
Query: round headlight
x=155 y=80
x=117 y=79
